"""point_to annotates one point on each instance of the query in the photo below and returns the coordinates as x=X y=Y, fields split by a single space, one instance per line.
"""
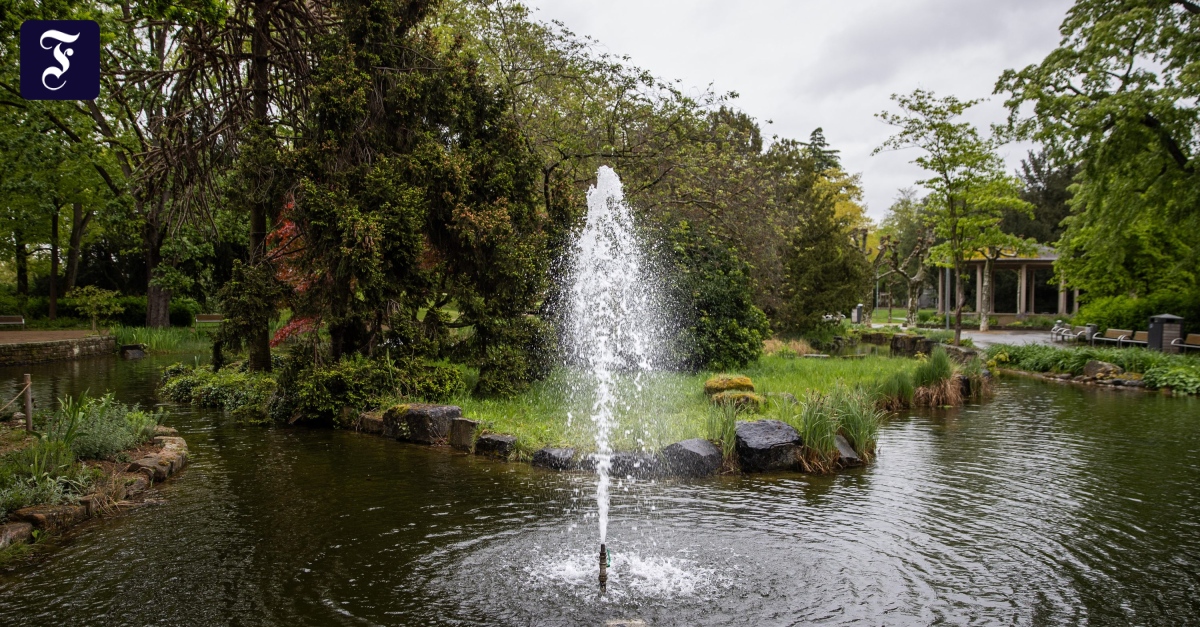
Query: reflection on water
x=1050 y=505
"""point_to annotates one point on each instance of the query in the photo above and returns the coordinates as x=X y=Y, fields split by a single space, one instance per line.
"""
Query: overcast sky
x=809 y=63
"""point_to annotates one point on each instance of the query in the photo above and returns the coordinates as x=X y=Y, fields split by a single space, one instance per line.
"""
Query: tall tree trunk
x=158 y=300
x=22 y=262
x=79 y=222
x=986 y=296
x=260 y=340
x=54 y=264
x=914 y=297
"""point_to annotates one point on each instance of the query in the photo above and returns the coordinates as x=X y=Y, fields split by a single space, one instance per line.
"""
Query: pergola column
x=1031 y=289
x=979 y=289
x=1022 y=289
x=1062 y=298
x=1075 y=303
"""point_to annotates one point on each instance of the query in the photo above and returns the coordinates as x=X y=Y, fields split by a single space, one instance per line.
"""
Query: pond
x=1048 y=505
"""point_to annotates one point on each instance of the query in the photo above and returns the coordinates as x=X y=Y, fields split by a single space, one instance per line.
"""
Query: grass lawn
x=673 y=406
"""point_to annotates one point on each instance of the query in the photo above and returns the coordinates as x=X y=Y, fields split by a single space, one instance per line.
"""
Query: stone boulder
x=496 y=445
x=692 y=458
x=462 y=433
x=49 y=517
x=640 y=465
x=728 y=383
x=133 y=351
x=370 y=422
x=15 y=533
x=555 y=458
x=1101 y=369
x=764 y=445
x=909 y=345
x=419 y=422
x=847 y=457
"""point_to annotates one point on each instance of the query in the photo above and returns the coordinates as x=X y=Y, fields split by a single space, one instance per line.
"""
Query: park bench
x=207 y=320
x=1123 y=337
x=1191 y=342
x=1065 y=333
x=13 y=320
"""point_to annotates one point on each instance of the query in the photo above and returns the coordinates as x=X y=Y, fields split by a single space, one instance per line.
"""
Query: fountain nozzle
x=603 y=567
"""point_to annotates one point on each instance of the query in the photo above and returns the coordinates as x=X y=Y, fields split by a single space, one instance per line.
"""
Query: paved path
x=983 y=339
x=24 y=337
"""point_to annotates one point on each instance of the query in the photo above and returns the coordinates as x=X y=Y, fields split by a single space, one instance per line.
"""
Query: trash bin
x=1164 y=329
x=856 y=315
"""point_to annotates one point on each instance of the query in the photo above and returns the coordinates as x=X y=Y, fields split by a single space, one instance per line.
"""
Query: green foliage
x=933 y=370
x=1119 y=97
x=233 y=389
x=161 y=339
x=1181 y=379
x=895 y=392
x=1126 y=312
x=825 y=272
x=1178 y=372
x=516 y=353
x=99 y=428
x=714 y=298
x=248 y=301
x=95 y=303
x=320 y=393
x=822 y=415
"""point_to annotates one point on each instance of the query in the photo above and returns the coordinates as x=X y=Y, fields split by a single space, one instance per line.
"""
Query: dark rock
x=766 y=445
x=1135 y=383
x=555 y=458
x=420 y=423
x=846 y=455
x=909 y=345
x=49 y=517
x=496 y=445
x=462 y=433
x=964 y=385
x=15 y=533
x=153 y=466
x=133 y=351
x=1097 y=368
x=692 y=458
x=639 y=464
x=370 y=422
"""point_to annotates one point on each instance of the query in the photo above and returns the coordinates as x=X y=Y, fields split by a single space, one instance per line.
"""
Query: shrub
x=723 y=329
x=95 y=303
x=511 y=355
x=100 y=428
x=232 y=389
x=1181 y=379
x=1126 y=312
x=320 y=393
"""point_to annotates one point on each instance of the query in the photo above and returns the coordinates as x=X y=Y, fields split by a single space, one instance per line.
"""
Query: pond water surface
x=1049 y=505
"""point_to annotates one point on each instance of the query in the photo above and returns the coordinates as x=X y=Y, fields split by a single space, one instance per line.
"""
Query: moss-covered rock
x=748 y=401
x=728 y=383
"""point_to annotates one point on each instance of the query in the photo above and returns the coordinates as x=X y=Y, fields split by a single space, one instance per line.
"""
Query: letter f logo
x=60 y=60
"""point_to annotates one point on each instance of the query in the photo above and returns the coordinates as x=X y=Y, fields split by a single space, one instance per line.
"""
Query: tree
x=1119 y=96
x=95 y=303
x=824 y=158
x=968 y=188
x=910 y=237
x=1046 y=186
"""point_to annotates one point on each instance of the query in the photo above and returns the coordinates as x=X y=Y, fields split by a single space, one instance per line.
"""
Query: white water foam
x=631 y=576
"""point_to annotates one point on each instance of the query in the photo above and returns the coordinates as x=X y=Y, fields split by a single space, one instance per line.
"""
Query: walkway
x=984 y=339
x=25 y=337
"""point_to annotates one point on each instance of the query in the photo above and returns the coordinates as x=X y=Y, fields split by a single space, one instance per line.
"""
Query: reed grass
x=163 y=340
x=721 y=427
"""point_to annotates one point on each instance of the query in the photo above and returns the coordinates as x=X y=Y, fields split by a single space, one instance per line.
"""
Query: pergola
x=1026 y=301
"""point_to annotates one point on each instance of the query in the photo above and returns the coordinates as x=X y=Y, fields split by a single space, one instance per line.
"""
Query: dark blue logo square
x=60 y=60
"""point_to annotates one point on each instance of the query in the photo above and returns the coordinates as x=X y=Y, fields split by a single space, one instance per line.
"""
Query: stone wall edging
x=56 y=350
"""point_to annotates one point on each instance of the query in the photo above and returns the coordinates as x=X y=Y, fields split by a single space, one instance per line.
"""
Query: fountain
x=613 y=324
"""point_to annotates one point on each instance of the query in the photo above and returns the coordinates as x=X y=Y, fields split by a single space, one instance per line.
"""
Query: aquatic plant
x=895 y=392
x=162 y=340
x=720 y=427
x=858 y=419
x=816 y=420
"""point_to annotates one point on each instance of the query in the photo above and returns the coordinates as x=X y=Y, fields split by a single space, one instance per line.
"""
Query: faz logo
x=60 y=60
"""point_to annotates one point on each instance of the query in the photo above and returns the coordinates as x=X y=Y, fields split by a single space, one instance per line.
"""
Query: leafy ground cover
x=1180 y=373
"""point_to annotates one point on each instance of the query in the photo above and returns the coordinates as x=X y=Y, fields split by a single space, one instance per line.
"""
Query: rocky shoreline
x=123 y=484
x=761 y=445
x=1106 y=379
